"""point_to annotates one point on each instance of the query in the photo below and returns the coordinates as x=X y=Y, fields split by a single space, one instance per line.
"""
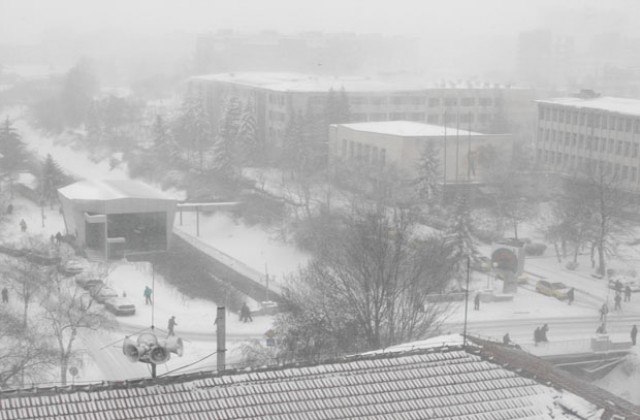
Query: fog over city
x=319 y=209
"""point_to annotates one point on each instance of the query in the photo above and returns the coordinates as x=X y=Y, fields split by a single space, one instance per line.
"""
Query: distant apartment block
x=278 y=96
x=590 y=131
x=400 y=144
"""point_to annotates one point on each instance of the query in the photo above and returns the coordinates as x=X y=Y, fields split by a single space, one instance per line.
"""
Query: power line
x=190 y=364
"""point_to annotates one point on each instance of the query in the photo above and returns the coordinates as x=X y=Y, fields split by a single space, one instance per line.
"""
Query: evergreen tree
x=458 y=233
x=195 y=129
x=225 y=150
x=428 y=178
x=291 y=147
x=77 y=93
x=247 y=134
x=51 y=178
x=343 y=108
x=13 y=154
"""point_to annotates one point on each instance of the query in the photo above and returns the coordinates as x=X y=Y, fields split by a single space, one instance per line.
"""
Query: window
x=433 y=119
x=379 y=100
x=350 y=150
x=468 y=101
x=627 y=148
x=635 y=150
x=416 y=116
x=358 y=100
x=343 y=151
x=367 y=153
x=629 y=125
x=383 y=156
x=398 y=116
x=611 y=145
x=434 y=102
x=619 y=148
x=488 y=102
x=450 y=101
x=625 y=172
x=634 y=175
x=377 y=117
x=358 y=117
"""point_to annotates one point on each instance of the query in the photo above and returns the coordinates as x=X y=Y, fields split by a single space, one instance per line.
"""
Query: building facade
x=401 y=143
x=588 y=131
x=277 y=97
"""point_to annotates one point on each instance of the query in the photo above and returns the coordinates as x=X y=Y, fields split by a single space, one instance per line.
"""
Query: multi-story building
x=590 y=131
x=279 y=96
x=400 y=144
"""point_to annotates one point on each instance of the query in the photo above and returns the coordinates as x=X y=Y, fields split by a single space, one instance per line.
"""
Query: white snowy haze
x=457 y=38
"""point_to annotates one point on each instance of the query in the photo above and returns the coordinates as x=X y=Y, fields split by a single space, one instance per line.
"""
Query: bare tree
x=67 y=311
x=25 y=355
x=368 y=289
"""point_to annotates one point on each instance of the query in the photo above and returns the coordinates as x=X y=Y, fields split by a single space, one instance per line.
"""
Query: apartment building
x=278 y=96
x=585 y=131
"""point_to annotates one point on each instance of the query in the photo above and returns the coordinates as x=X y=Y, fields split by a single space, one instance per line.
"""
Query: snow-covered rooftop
x=406 y=129
x=603 y=103
x=301 y=82
x=111 y=190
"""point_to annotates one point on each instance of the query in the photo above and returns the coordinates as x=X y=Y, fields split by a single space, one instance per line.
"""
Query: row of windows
x=409 y=100
x=565 y=161
x=276 y=99
x=420 y=116
x=277 y=116
x=596 y=144
x=590 y=119
x=365 y=153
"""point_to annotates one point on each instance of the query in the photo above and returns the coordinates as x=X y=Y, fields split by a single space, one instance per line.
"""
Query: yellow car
x=557 y=290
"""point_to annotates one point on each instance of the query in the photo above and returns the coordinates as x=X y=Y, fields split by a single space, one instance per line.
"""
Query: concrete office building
x=400 y=144
x=279 y=96
x=590 y=131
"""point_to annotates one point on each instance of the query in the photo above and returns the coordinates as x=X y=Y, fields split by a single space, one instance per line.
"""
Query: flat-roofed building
x=401 y=143
x=277 y=97
x=117 y=217
x=577 y=133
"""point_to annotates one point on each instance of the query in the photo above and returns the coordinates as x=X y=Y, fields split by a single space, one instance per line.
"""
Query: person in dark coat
x=476 y=302
x=570 y=295
x=245 y=313
x=506 y=340
x=172 y=324
x=147 y=295
x=543 y=333
x=23 y=225
x=5 y=295
x=627 y=294
x=617 y=300
x=604 y=310
x=58 y=238
x=601 y=329
x=618 y=286
x=634 y=334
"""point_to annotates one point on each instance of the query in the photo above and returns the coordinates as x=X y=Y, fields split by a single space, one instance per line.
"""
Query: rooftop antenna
x=466 y=304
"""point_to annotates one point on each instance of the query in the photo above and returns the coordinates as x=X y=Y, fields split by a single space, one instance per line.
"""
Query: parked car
x=71 y=267
x=557 y=290
x=101 y=294
x=482 y=264
x=120 y=306
x=88 y=282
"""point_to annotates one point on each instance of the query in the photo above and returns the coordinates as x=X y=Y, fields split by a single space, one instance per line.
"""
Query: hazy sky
x=23 y=21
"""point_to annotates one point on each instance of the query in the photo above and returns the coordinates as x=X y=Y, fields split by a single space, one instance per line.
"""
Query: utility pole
x=220 y=350
x=466 y=303
x=444 y=160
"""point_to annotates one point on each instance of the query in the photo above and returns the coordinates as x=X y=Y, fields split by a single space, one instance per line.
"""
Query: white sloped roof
x=604 y=103
x=111 y=190
x=407 y=129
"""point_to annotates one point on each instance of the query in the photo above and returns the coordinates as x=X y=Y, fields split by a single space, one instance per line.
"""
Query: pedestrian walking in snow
x=59 y=238
x=618 y=286
x=147 y=295
x=536 y=336
x=627 y=294
x=245 y=313
x=570 y=295
x=506 y=340
x=543 y=333
x=172 y=324
x=617 y=301
x=602 y=329
x=634 y=334
x=23 y=225
x=604 y=310
x=476 y=302
x=5 y=295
